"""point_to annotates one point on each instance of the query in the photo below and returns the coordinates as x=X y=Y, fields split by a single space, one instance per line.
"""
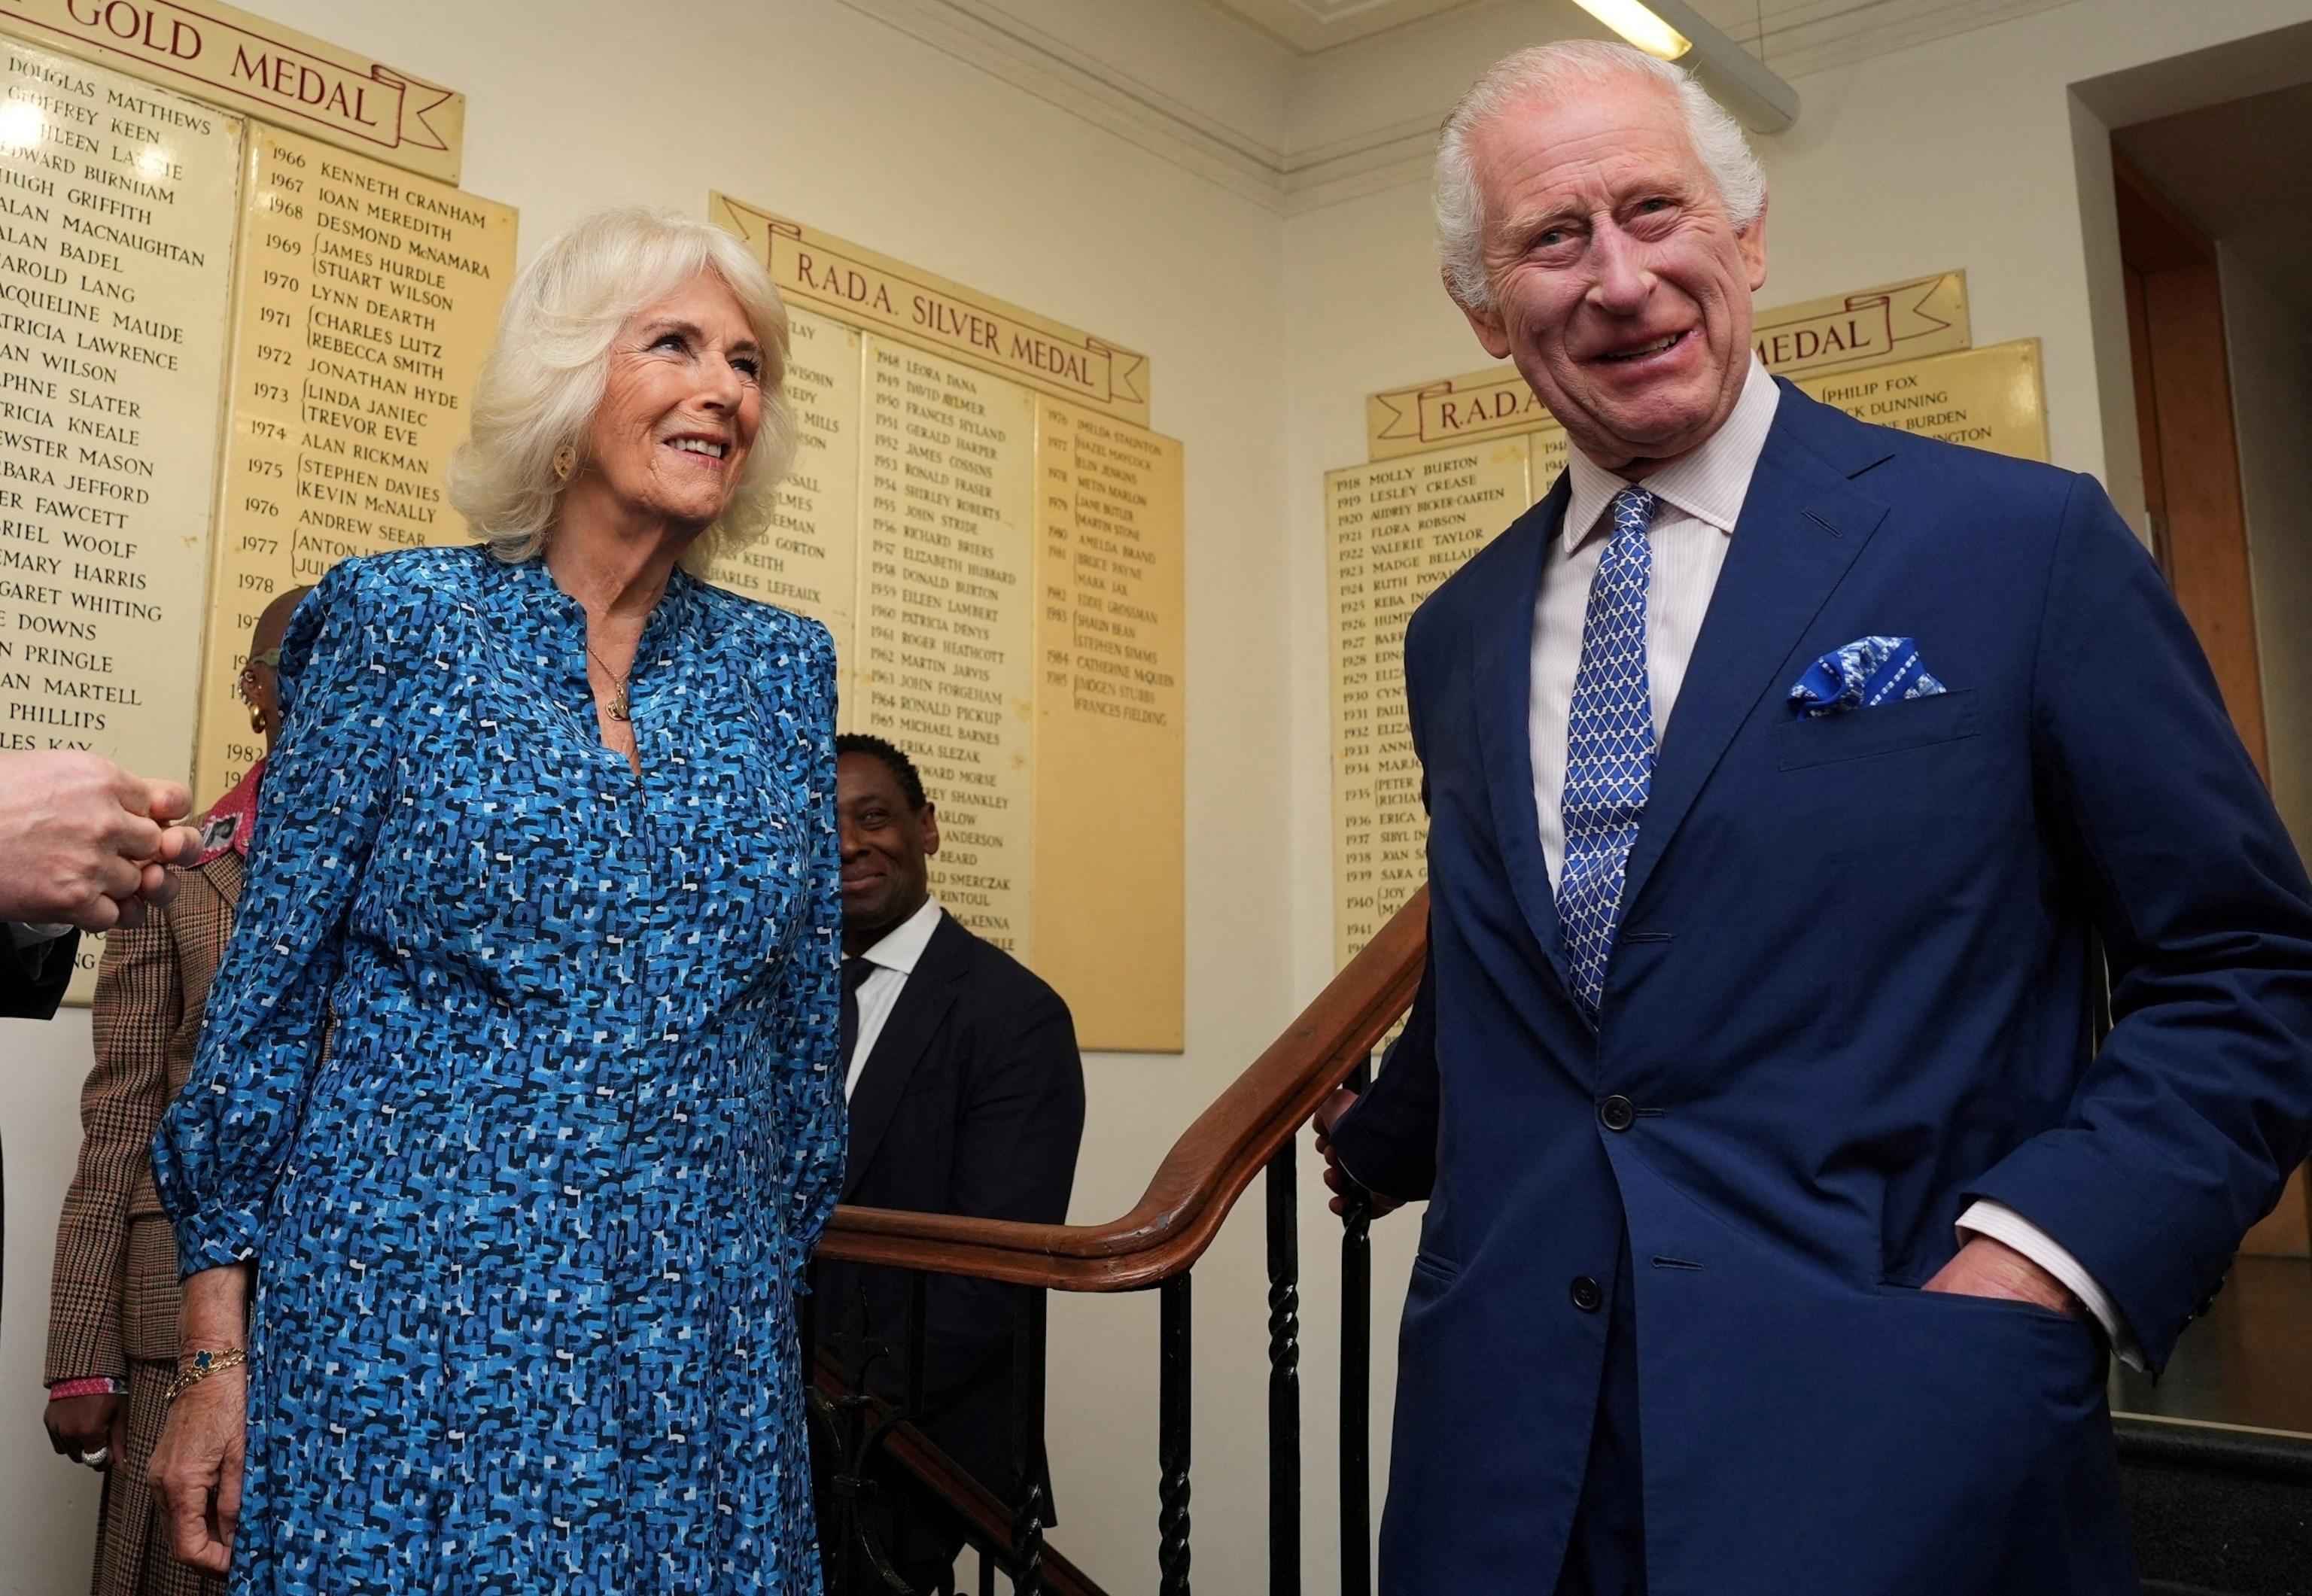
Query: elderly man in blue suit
x=1787 y=778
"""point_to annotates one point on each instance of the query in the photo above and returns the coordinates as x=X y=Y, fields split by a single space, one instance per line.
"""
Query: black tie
x=855 y=972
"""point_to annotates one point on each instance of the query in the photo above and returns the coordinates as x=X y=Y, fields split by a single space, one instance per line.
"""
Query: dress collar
x=548 y=636
x=1709 y=485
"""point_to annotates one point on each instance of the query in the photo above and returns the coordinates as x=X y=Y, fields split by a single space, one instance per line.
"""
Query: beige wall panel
x=1395 y=530
x=116 y=270
x=947 y=625
x=366 y=299
x=809 y=559
x=1110 y=644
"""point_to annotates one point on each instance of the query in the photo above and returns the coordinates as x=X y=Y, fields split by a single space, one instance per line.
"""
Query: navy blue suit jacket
x=1849 y=995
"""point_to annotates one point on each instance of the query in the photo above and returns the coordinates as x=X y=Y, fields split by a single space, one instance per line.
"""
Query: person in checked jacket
x=113 y=1301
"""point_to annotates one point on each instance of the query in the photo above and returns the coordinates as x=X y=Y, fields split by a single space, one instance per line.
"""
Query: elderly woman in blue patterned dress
x=517 y=1109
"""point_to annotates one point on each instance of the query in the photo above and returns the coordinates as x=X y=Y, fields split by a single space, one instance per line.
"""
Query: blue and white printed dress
x=520 y=1085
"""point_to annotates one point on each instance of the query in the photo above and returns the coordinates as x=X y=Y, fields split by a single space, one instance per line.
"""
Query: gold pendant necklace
x=620 y=708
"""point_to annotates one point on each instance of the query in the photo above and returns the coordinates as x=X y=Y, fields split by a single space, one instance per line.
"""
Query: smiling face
x=1621 y=287
x=680 y=410
x=884 y=845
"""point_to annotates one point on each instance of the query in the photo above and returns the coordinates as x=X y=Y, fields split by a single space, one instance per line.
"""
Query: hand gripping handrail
x=1205 y=1172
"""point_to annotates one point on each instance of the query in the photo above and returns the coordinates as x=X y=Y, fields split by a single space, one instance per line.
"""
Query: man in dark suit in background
x=967 y=1097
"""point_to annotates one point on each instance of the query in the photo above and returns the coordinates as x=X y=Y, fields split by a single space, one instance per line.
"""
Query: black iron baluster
x=1356 y=1379
x=986 y=1572
x=1172 y=1438
x=903 y=1503
x=1284 y=1376
x=1032 y=1504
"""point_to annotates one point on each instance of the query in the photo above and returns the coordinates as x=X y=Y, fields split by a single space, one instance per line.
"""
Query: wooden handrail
x=1205 y=1172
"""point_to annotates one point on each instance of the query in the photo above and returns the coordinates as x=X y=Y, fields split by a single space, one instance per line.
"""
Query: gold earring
x=256 y=720
x=565 y=461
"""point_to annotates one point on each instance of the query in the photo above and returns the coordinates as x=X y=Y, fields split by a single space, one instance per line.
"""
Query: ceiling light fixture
x=1673 y=30
x=1640 y=26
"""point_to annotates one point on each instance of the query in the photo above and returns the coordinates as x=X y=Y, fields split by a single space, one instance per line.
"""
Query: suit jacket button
x=1618 y=1112
x=1587 y=1296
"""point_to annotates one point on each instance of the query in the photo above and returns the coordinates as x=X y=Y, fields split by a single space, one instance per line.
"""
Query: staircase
x=2217 y=1511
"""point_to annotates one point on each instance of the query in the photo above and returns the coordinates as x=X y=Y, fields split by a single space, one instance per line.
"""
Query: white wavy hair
x=545 y=376
x=1545 y=73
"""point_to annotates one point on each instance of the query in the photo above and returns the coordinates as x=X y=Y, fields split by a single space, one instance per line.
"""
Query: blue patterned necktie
x=1609 y=748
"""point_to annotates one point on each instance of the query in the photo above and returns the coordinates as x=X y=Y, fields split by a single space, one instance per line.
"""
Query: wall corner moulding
x=245 y=63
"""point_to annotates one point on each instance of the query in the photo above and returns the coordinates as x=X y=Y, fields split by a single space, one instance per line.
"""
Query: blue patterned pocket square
x=1868 y=671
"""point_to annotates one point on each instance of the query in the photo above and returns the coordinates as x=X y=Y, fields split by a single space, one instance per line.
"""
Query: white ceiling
x=1309 y=26
x=1301 y=103
x=1791 y=35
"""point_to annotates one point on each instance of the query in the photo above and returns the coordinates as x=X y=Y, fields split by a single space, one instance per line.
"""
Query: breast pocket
x=1888 y=728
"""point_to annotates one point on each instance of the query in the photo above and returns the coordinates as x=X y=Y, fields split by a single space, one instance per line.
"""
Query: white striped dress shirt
x=1700 y=499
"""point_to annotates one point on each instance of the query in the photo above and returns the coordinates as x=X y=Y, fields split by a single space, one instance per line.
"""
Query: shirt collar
x=904 y=942
x=1709 y=485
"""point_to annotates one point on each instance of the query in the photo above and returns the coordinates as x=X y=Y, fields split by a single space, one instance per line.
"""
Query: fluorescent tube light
x=1675 y=31
x=1638 y=25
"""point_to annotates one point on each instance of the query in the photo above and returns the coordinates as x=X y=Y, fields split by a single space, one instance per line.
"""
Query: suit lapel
x=1801 y=527
x=227 y=873
x=1504 y=679
x=924 y=1002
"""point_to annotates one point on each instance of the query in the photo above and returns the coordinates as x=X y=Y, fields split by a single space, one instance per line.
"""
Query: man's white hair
x=1545 y=73
x=545 y=376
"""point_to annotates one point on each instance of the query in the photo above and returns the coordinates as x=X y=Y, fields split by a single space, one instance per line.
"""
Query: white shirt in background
x=894 y=958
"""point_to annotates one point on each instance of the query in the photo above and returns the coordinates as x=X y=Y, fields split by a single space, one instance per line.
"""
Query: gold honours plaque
x=1898 y=320
x=874 y=291
x=1111 y=756
x=981 y=517
x=365 y=301
x=252 y=65
x=1455 y=461
x=1396 y=529
x=1987 y=398
x=116 y=255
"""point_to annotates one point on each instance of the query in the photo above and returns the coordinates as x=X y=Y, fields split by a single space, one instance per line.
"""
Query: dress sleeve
x=811 y=1117
x=222 y=1144
x=139 y=1000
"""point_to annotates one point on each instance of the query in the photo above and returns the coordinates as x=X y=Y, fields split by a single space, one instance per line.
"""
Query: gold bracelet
x=203 y=1364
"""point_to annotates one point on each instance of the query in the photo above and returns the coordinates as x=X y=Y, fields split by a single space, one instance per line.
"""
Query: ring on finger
x=97 y=1459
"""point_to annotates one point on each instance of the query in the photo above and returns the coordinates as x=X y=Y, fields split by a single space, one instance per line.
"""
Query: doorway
x=2219 y=304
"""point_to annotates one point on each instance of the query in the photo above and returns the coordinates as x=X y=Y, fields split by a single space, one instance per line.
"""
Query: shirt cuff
x=2003 y=1225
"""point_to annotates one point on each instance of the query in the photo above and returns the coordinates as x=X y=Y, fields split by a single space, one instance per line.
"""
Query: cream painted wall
x=2271 y=348
x=810 y=108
